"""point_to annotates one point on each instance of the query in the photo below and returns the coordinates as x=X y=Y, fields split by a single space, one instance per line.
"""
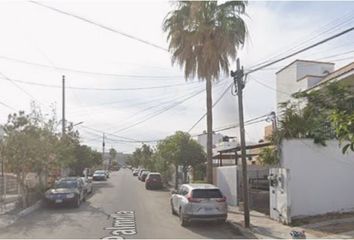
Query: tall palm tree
x=203 y=36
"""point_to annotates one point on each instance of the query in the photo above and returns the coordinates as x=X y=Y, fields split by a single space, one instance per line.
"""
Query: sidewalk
x=11 y=215
x=263 y=227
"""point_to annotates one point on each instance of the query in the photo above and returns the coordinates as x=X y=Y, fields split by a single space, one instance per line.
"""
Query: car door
x=175 y=199
x=180 y=197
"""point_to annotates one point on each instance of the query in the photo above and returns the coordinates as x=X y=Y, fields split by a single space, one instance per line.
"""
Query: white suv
x=199 y=202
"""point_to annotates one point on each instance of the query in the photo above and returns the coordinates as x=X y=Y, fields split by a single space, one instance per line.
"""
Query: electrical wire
x=216 y=102
x=302 y=50
x=159 y=112
x=102 y=89
x=313 y=36
x=100 y=25
x=87 y=72
x=8 y=106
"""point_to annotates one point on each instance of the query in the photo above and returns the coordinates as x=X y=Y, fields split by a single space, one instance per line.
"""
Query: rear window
x=154 y=176
x=206 y=193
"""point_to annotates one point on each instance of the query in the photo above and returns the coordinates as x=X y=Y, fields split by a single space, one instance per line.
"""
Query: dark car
x=144 y=175
x=153 y=181
x=68 y=190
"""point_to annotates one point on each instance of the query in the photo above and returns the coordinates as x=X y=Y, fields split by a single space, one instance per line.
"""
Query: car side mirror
x=173 y=192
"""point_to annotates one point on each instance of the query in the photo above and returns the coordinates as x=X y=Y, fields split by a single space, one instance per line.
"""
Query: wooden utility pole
x=63 y=110
x=240 y=84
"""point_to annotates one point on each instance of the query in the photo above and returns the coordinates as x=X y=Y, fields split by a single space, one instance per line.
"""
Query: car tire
x=77 y=202
x=182 y=219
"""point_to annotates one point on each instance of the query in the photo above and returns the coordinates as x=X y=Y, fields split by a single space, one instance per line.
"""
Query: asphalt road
x=124 y=207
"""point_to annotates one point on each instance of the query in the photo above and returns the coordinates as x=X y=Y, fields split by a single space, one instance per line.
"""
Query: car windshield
x=66 y=184
x=100 y=172
x=206 y=193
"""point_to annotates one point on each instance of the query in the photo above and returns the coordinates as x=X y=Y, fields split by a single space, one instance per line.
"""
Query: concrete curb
x=30 y=209
x=7 y=220
x=245 y=232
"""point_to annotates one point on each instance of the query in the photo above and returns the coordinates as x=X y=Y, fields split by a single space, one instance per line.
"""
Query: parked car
x=69 y=190
x=153 y=181
x=87 y=185
x=140 y=172
x=99 y=175
x=144 y=175
x=199 y=202
x=135 y=172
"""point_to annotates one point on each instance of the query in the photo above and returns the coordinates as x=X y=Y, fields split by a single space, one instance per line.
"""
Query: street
x=121 y=193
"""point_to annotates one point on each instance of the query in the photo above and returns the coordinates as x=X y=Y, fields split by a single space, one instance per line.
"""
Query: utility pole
x=103 y=145
x=240 y=84
x=63 y=110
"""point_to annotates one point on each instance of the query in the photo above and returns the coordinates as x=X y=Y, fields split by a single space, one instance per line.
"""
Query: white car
x=87 y=185
x=199 y=202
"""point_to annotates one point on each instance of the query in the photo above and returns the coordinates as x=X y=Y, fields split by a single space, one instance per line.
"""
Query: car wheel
x=77 y=202
x=182 y=219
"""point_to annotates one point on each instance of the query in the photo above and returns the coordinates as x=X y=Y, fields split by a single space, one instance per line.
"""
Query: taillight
x=193 y=200
x=223 y=199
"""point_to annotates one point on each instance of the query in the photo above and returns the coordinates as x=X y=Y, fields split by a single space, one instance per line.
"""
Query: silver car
x=199 y=202
x=87 y=185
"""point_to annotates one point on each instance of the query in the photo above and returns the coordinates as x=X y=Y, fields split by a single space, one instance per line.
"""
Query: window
x=206 y=193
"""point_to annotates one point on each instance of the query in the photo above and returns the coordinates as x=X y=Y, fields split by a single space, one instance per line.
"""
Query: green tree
x=323 y=114
x=202 y=37
x=181 y=150
x=28 y=146
x=268 y=156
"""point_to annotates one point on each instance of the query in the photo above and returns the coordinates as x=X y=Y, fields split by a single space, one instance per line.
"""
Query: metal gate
x=258 y=188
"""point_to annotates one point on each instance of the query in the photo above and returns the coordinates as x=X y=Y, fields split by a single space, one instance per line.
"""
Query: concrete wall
x=227 y=182
x=320 y=178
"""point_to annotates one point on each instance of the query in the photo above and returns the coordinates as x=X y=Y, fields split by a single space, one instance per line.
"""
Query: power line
x=86 y=72
x=101 y=89
x=8 y=106
x=330 y=28
x=216 y=102
x=160 y=112
x=19 y=87
x=301 y=50
x=100 y=25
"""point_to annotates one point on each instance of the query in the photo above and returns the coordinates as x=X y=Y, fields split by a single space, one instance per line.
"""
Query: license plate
x=58 y=200
x=208 y=209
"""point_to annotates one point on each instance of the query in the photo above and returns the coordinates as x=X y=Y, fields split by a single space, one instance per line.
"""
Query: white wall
x=227 y=182
x=320 y=178
x=287 y=79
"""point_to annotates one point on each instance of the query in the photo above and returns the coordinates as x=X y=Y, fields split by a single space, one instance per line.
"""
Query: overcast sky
x=38 y=46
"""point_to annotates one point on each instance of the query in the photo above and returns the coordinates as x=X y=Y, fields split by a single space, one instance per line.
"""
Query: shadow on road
x=212 y=230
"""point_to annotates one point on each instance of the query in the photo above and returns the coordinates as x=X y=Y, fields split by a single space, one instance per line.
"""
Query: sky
x=128 y=89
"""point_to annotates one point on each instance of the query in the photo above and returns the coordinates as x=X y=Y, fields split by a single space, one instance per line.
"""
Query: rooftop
x=306 y=61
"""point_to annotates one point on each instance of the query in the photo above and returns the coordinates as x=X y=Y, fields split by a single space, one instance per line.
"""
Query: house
x=305 y=75
x=312 y=179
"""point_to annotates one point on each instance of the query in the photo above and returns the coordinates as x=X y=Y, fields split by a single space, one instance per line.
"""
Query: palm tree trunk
x=209 y=131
